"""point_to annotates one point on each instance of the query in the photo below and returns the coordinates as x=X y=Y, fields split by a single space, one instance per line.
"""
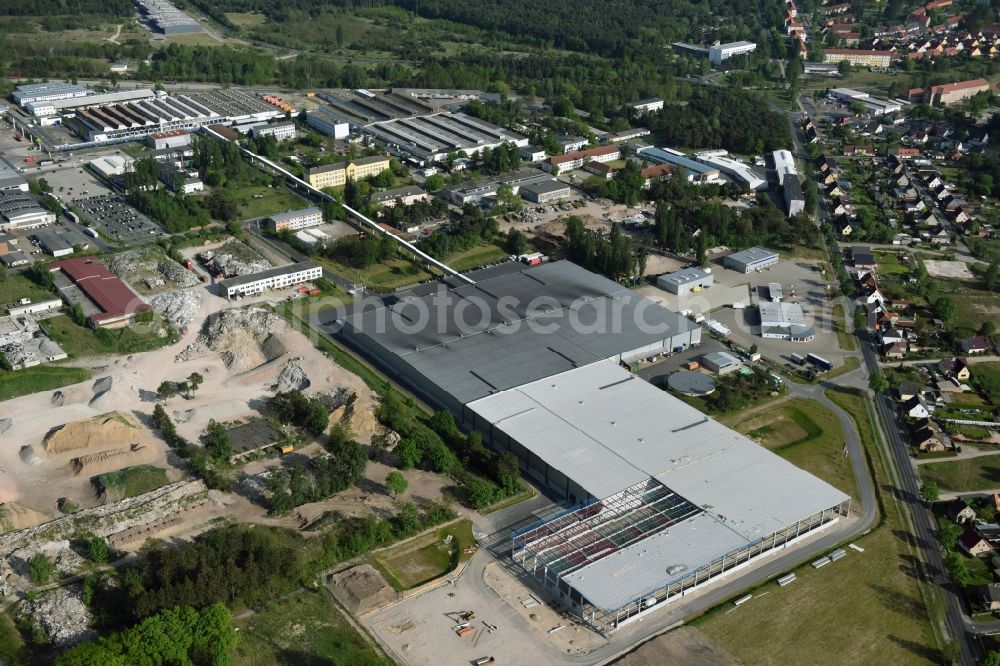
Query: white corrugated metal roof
x=606 y=429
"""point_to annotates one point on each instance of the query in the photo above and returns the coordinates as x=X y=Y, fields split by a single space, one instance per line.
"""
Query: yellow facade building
x=336 y=175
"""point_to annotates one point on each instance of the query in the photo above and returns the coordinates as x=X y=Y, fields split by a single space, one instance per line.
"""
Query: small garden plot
x=424 y=558
x=130 y=482
x=149 y=270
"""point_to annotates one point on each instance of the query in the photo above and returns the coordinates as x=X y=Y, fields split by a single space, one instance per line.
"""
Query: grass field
x=987 y=379
x=131 y=481
x=888 y=264
x=15 y=286
x=305 y=628
x=865 y=609
x=806 y=434
x=271 y=200
x=845 y=340
x=964 y=475
x=417 y=561
x=475 y=256
x=246 y=19
x=39 y=378
x=382 y=276
x=80 y=341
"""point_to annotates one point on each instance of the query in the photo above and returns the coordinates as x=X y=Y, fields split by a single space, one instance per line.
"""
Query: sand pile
x=359 y=417
x=361 y=589
x=14 y=516
x=29 y=455
x=111 y=429
x=110 y=393
x=112 y=460
x=240 y=335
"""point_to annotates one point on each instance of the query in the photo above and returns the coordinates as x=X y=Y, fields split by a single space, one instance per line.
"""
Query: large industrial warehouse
x=510 y=328
x=665 y=497
x=136 y=114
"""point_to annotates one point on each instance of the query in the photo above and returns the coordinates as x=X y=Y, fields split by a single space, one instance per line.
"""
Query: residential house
x=908 y=390
x=954 y=367
x=978 y=344
x=891 y=335
x=960 y=512
x=916 y=408
x=990 y=596
x=973 y=544
x=894 y=350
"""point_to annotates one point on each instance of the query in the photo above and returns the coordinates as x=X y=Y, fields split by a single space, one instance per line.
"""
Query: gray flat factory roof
x=686 y=275
x=544 y=186
x=263 y=275
x=10 y=177
x=666 y=157
x=608 y=430
x=781 y=314
x=753 y=254
x=52 y=241
x=548 y=317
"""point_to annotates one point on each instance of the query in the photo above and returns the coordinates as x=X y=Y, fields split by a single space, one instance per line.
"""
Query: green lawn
x=865 y=609
x=305 y=628
x=15 y=286
x=845 y=340
x=475 y=257
x=246 y=20
x=81 y=341
x=806 y=434
x=970 y=474
x=39 y=378
x=417 y=561
x=270 y=200
x=130 y=482
x=986 y=376
x=386 y=276
x=888 y=264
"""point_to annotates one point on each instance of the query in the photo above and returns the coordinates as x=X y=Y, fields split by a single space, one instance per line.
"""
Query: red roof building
x=116 y=302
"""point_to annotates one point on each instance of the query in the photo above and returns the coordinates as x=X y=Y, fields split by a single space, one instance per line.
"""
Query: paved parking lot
x=111 y=215
x=70 y=182
x=730 y=287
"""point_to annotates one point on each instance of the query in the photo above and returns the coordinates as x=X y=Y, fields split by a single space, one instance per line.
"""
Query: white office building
x=326 y=122
x=280 y=131
x=720 y=52
x=274 y=278
x=47 y=92
x=296 y=219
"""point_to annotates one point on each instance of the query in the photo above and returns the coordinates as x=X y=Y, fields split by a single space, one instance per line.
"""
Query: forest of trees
x=721 y=117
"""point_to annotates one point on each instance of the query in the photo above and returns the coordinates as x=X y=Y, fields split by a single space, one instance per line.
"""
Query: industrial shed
x=668 y=498
x=535 y=322
x=664 y=499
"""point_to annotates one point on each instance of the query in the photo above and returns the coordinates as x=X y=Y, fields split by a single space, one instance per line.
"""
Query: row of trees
x=471 y=229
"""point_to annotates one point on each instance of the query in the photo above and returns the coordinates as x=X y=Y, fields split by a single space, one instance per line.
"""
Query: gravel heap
x=237 y=334
x=178 y=307
x=63 y=616
x=254 y=486
x=235 y=258
x=152 y=267
x=292 y=377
